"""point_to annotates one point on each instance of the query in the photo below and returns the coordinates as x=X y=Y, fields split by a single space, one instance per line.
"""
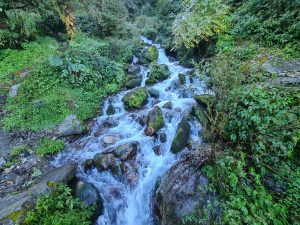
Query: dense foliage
x=60 y=208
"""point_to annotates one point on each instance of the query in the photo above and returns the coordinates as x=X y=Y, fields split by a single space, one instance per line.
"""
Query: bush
x=49 y=147
x=59 y=208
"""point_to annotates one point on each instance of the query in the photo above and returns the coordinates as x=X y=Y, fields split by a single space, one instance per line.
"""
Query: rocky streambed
x=139 y=162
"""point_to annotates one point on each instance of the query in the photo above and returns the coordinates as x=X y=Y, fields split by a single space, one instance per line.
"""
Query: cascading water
x=129 y=203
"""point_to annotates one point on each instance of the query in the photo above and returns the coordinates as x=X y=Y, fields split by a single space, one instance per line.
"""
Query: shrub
x=59 y=208
x=199 y=20
x=49 y=147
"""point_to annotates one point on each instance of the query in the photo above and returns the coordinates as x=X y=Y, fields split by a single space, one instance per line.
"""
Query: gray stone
x=132 y=83
x=104 y=161
x=127 y=151
x=89 y=195
x=70 y=126
x=14 y=90
x=153 y=93
x=109 y=140
x=182 y=190
x=134 y=69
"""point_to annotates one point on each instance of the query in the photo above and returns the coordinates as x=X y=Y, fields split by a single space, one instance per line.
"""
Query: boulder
x=70 y=126
x=127 y=151
x=110 y=109
x=182 y=78
x=151 y=53
x=134 y=69
x=182 y=136
x=89 y=195
x=182 y=190
x=88 y=164
x=110 y=140
x=168 y=105
x=155 y=121
x=157 y=149
x=104 y=161
x=14 y=90
x=163 y=137
x=11 y=206
x=153 y=93
x=135 y=99
x=132 y=83
x=158 y=72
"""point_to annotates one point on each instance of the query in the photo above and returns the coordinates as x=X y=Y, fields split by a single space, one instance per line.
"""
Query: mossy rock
x=204 y=100
x=158 y=72
x=134 y=82
x=182 y=136
x=155 y=121
x=135 y=99
x=151 y=53
x=182 y=78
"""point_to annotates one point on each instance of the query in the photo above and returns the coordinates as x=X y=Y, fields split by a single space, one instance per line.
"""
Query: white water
x=130 y=203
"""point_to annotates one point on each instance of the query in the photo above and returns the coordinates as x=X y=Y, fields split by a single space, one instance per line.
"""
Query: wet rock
x=168 y=105
x=153 y=93
x=88 y=164
x=163 y=137
x=104 y=161
x=158 y=72
x=142 y=120
x=127 y=151
x=132 y=83
x=182 y=190
x=110 y=140
x=182 y=78
x=155 y=121
x=157 y=149
x=110 y=109
x=14 y=90
x=134 y=69
x=151 y=53
x=89 y=195
x=182 y=136
x=70 y=126
x=135 y=99
x=13 y=204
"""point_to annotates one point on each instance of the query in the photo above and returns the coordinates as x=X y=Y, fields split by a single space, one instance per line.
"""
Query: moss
x=182 y=136
x=15 y=216
x=135 y=99
x=156 y=120
x=152 y=53
x=158 y=72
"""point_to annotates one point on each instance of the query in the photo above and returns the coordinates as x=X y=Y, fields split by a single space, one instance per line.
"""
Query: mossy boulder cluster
x=182 y=136
x=135 y=99
x=155 y=121
x=158 y=72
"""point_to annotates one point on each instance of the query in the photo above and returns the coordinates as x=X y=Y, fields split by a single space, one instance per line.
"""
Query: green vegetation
x=68 y=56
x=158 y=72
x=49 y=147
x=60 y=208
x=135 y=99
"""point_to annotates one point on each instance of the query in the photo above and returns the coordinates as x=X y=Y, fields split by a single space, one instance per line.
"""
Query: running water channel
x=127 y=195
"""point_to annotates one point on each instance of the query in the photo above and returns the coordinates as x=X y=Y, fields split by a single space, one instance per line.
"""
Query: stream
x=129 y=201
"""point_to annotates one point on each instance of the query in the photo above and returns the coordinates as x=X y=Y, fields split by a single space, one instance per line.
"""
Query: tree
x=199 y=20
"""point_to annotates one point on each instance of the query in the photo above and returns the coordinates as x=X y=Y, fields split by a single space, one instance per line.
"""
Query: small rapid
x=127 y=201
